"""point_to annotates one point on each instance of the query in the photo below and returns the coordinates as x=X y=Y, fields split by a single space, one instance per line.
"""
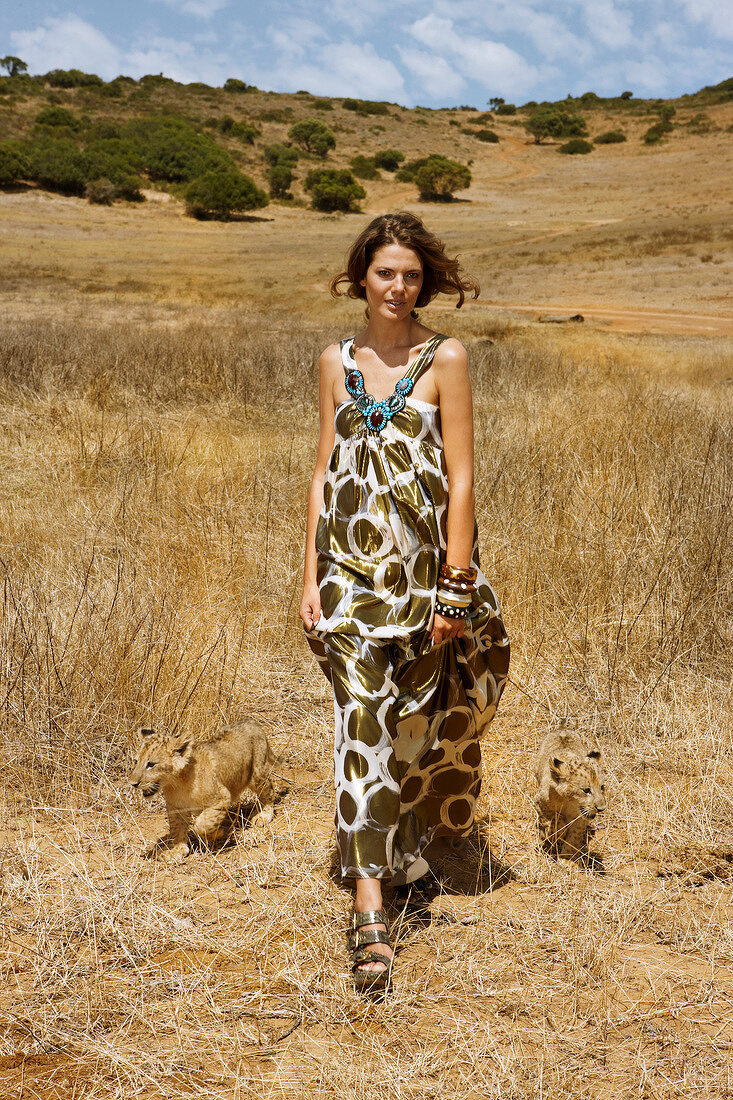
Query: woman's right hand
x=310 y=606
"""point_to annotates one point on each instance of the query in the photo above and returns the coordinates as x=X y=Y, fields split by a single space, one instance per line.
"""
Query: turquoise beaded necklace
x=378 y=414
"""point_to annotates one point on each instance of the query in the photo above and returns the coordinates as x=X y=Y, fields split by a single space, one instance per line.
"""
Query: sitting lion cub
x=203 y=780
x=571 y=793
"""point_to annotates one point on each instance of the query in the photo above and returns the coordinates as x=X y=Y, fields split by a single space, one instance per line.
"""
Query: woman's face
x=392 y=281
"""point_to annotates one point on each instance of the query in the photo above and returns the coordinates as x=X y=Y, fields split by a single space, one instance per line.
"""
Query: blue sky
x=437 y=53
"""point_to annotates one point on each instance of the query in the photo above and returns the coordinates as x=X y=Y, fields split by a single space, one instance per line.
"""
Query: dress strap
x=425 y=357
x=347 y=354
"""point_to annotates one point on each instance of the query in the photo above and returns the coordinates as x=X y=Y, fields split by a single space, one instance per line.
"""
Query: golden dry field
x=157 y=431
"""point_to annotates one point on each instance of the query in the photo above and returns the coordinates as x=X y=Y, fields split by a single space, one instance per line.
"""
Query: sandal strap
x=361 y=957
x=371 y=916
x=372 y=935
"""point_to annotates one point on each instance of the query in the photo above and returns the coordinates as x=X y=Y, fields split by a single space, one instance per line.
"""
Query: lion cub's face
x=581 y=783
x=159 y=760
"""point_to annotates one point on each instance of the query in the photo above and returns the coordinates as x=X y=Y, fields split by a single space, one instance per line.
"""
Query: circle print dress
x=408 y=715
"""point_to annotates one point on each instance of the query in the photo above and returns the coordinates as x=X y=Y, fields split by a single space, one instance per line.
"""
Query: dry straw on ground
x=151 y=525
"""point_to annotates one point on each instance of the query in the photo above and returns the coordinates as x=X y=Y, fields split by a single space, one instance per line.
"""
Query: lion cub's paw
x=264 y=817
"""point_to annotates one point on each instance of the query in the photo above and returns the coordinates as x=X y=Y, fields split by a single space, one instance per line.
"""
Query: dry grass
x=151 y=521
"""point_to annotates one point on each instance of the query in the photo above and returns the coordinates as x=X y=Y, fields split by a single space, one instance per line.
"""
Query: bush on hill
x=484 y=135
x=365 y=106
x=436 y=177
x=333 y=189
x=242 y=131
x=657 y=133
x=364 y=168
x=281 y=154
x=313 y=136
x=71 y=78
x=506 y=109
x=280 y=177
x=321 y=104
x=576 y=145
x=14 y=165
x=219 y=194
x=172 y=149
x=58 y=164
x=57 y=116
x=101 y=192
x=389 y=159
x=551 y=121
x=611 y=137
x=234 y=85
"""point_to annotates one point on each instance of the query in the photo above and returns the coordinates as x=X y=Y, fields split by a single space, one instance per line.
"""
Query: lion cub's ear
x=146 y=732
x=181 y=754
x=559 y=768
x=594 y=754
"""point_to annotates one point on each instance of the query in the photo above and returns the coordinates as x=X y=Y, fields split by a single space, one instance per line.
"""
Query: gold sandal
x=369 y=981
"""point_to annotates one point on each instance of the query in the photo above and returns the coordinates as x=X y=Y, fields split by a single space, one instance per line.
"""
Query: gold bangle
x=454 y=573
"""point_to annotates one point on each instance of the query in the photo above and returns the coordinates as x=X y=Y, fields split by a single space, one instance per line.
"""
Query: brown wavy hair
x=441 y=275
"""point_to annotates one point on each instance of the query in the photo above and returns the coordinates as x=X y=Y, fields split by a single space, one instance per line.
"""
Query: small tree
x=13 y=65
x=280 y=177
x=333 y=189
x=220 y=194
x=554 y=122
x=312 y=135
x=389 y=159
x=667 y=112
x=626 y=95
x=496 y=101
x=234 y=85
x=438 y=177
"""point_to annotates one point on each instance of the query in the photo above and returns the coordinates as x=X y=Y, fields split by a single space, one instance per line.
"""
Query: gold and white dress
x=408 y=715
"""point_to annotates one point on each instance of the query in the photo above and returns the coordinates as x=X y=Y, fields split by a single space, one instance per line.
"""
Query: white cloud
x=492 y=64
x=608 y=24
x=337 y=69
x=68 y=43
x=200 y=9
x=715 y=15
x=433 y=72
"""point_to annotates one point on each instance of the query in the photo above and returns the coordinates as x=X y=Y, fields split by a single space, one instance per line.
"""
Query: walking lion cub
x=203 y=780
x=571 y=792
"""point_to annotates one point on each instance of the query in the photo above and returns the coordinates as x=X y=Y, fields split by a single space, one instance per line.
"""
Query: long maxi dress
x=407 y=715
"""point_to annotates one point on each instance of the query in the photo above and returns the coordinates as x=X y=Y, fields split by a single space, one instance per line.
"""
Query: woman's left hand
x=443 y=629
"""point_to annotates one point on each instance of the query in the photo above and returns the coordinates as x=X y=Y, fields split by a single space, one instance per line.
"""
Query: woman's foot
x=372 y=951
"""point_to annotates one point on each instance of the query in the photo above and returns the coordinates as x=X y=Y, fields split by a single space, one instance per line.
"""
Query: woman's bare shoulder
x=331 y=356
x=450 y=355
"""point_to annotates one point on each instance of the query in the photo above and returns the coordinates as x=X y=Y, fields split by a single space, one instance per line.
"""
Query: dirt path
x=623 y=319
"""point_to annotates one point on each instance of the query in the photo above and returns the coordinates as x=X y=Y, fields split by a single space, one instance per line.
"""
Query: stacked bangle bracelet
x=455 y=588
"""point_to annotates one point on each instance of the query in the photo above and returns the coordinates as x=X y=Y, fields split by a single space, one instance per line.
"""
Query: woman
x=402 y=622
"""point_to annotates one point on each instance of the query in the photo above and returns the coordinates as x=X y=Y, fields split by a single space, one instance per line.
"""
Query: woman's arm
x=456 y=417
x=329 y=370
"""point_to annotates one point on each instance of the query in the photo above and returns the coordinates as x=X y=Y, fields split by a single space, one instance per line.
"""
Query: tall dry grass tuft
x=151 y=525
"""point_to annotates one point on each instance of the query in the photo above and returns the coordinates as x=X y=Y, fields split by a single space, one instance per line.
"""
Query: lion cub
x=571 y=792
x=203 y=780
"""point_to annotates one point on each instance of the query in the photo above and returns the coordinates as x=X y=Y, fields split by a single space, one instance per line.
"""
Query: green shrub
x=58 y=164
x=14 y=164
x=280 y=177
x=365 y=106
x=364 y=168
x=576 y=145
x=313 y=135
x=276 y=114
x=71 y=78
x=219 y=194
x=611 y=137
x=389 y=159
x=626 y=95
x=234 y=85
x=117 y=161
x=667 y=112
x=436 y=177
x=171 y=149
x=322 y=104
x=700 y=124
x=506 y=109
x=242 y=131
x=57 y=116
x=281 y=154
x=333 y=189
x=486 y=135
x=657 y=132
x=483 y=118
